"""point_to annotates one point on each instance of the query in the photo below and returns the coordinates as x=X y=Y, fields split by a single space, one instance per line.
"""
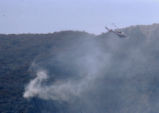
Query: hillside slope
x=17 y=52
x=133 y=70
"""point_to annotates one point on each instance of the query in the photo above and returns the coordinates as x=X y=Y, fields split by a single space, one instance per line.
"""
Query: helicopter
x=116 y=32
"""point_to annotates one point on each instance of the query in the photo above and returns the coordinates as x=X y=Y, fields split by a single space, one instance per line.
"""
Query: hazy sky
x=43 y=16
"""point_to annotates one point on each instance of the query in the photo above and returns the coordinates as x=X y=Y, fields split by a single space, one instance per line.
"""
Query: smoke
x=86 y=62
x=34 y=87
x=99 y=75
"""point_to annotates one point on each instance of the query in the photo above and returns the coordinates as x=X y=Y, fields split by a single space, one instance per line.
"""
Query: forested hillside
x=17 y=52
x=127 y=81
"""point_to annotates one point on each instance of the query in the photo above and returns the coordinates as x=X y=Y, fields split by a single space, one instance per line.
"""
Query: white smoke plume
x=89 y=65
x=35 y=85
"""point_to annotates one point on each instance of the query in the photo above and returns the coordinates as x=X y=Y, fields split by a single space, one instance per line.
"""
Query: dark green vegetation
x=17 y=52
